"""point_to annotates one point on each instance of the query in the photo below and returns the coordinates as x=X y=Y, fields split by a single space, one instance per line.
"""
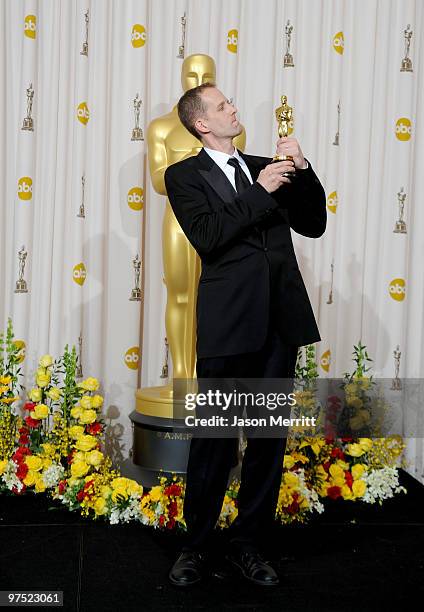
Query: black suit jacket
x=249 y=269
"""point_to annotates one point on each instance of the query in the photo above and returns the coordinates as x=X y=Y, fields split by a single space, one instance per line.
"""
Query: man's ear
x=201 y=127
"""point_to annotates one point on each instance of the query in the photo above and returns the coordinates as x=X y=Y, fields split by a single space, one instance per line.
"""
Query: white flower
x=53 y=474
x=382 y=484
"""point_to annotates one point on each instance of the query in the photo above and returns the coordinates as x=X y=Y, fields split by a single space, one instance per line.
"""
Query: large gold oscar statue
x=168 y=142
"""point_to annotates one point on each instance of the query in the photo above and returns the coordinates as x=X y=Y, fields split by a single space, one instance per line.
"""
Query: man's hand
x=290 y=146
x=271 y=177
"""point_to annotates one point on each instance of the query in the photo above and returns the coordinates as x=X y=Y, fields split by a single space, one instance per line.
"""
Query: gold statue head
x=197 y=69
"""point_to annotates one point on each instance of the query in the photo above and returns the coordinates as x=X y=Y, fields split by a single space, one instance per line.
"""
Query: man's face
x=220 y=118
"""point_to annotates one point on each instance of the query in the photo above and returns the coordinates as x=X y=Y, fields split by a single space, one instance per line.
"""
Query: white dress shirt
x=221 y=159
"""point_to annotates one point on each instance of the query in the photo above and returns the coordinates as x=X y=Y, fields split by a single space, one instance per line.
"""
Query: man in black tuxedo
x=253 y=311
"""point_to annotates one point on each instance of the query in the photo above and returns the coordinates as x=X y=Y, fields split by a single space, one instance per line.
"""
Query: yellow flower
x=96 y=401
x=46 y=361
x=87 y=416
x=76 y=412
x=321 y=472
x=134 y=487
x=357 y=470
x=54 y=393
x=337 y=472
x=366 y=444
x=5 y=380
x=76 y=431
x=3 y=464
x=46 y=462
x=35 y=394
x=86 y=443
x=355 y=450
x=359 y=487
x=288 y=462
x=119 y=493
x=120 y=482
x=42 y=378
x=41 y=411
x=73 y=480
x=9 y=400
x=315 y=443
x=86 y=402
x=33 y=462
x=94 y=457
x=354 y=401
x=363 y=381
x=79 y=456
x=79 y=469
x=346 y=492
x=29 y=479
x=39 y=483
x=155 y=493
x=89 y=384
x=105 y=491
x=100 y=505
x=350 y=389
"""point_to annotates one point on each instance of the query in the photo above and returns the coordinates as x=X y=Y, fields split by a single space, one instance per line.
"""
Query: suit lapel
x=216 y=178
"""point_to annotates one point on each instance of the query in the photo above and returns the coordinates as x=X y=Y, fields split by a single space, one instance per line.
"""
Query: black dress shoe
x=254 y=568
x=188 y=569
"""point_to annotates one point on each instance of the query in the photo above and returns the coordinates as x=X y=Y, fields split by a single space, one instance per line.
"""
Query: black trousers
x=210 y=459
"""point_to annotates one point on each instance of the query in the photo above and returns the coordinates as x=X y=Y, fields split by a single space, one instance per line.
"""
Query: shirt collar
x=221 y=159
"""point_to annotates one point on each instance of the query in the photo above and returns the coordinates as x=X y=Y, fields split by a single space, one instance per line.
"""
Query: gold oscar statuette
x=396 y=381
x=284 y=115
x=21 y=286
x=406 y=65
x=137 y=133
x=136 y=291
x=84 y=50
x=288 y=57
x=28 y=123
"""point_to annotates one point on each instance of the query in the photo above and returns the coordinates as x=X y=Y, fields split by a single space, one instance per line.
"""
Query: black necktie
x=242 y=182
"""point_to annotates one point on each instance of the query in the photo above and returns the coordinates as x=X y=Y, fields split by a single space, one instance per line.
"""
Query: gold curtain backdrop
x=80 y=83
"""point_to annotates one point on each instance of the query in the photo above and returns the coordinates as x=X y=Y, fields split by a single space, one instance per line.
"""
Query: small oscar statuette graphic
x=21 y=286
x=28 y=123
x=396 y=381
x=181 y=48
x=136 y=292
x=400 y=226
x=406 y=65
x=137 y=133
x=79 y=373
x=81 y=212
x=336 y=137
x=330 y=295
x=288 y=57
x=84 y=50
x=165 y=369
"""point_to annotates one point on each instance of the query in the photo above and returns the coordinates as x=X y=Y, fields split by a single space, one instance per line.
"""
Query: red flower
x=170 y=524
x=15 y=490
x=326 y=465
x=19 y=455
x=334 y=492
x=349 y=478
x=23 y=430
x=93 y=429
x=23 y=439
x=62 y=486
x=329 y=440
x=29 y=406
x=337 y=453
x=32 y=422
x=70 y=457
x=173 y=490
x=172 y=509
x=80 y=495
x=161 y=520
x=293 y=508
x=348 y=439
x=22 y=471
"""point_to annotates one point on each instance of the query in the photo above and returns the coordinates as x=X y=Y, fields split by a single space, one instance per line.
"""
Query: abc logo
x=83 y=114
x=138 y=35
x=332 y=202
x=338 y=42
x=25 y=188
x=397 y=289
x=403 y=129
x=30 y=26
x=325 y=360
x=135 y=198
x=132 y=357
x=79 y=273
x=232 y=41
x=20 y=345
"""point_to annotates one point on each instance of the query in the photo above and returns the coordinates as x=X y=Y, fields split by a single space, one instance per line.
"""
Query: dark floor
x=353 y=557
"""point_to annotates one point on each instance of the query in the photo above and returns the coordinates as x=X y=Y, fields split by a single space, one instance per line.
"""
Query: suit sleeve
x=210 y=229
x=305 y=202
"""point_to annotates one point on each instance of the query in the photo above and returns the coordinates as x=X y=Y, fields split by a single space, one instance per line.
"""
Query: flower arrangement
x=54 y=444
